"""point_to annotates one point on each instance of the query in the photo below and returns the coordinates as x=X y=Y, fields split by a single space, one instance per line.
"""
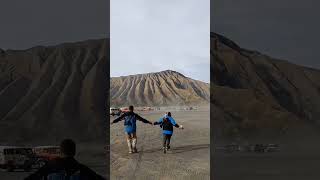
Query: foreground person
x=130 y=127
x=65 y=167
x=167 y=123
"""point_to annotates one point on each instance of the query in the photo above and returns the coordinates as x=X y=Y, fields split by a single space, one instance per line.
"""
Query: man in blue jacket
x=166 y=123
x=130 y=127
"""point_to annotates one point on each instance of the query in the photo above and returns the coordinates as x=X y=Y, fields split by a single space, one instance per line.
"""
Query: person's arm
x=158 y=122
x=142 y=119
x=119 y=118
x=173 y=122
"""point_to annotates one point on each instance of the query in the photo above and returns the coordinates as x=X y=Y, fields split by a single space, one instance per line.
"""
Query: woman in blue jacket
x=166 y=123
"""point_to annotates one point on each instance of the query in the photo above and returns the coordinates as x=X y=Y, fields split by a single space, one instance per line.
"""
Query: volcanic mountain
x=54 y=92
x=254 y=93
x=165 y=88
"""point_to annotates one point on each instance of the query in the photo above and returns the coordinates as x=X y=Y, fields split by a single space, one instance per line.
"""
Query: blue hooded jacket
x=130 y=119
x=167 y=123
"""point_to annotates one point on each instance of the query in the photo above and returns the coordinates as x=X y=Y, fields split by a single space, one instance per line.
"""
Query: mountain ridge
x=276 y=95
x=158 y=89
x=58 y=90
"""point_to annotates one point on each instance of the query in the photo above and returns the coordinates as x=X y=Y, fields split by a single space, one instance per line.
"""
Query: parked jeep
x=13 y=157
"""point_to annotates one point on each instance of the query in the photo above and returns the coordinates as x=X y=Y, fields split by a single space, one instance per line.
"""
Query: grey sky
x=151 y=36
x=29 y=23
x=286 y=29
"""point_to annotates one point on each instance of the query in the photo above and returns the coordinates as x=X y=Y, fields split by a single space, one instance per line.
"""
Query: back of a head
x=68 y=148
x=131 y=108
x=169 y=114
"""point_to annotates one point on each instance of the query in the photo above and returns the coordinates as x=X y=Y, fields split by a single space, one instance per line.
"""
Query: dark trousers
x=166 y=140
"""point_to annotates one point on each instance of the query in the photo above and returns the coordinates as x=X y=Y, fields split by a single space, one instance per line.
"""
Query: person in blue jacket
x=130 y=127
x=166 y=123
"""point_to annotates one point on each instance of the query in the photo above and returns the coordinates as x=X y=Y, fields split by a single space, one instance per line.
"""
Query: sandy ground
x=92 y=155
x=189 y=157
x=298 y=158
x=275 y=166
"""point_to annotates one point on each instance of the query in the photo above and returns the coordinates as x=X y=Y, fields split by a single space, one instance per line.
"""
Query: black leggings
x=166 y=140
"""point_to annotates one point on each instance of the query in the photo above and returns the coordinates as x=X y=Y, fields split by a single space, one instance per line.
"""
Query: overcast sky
x=28 y=23
x=286 y=29
x=151 y=36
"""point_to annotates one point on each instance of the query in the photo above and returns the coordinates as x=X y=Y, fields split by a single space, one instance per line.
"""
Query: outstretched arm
x=119 y=118
x=142 y=119
x=173 y=122
x=158 y=122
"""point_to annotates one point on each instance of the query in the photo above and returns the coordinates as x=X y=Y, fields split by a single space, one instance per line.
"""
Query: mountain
x=158 y=89
x=54 y=92
x=256 y=94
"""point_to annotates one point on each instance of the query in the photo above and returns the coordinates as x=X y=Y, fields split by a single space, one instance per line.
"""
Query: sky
x=29 y=23
x=151 y=36
x=284 y=29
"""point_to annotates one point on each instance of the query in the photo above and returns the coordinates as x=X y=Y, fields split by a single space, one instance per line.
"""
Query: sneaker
x=135 y=150
x=168 y=147
x=130 y=152
x=164 y=150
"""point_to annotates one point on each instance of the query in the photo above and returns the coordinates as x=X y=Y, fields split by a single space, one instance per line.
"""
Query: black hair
x=68 y=147
x=169 y=114
x=131 y=108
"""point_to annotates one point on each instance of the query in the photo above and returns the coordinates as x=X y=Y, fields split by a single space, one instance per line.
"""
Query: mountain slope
x=158 y=89
x=254 y=93
x=55 y=91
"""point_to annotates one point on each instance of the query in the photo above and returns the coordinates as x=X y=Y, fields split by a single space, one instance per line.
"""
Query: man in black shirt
x=65 y=166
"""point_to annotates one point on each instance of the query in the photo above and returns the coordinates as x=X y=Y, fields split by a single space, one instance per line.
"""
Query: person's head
x=131 y=108
x=169 y=114
x=68 y=148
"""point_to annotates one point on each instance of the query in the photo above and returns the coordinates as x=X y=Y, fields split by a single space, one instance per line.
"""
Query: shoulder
x=171 y=118
x=125 y=114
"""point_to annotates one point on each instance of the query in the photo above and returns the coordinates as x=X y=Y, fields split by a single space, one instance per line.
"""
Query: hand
x=181 y=127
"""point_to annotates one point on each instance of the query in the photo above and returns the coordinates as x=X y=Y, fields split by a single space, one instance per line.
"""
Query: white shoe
x=165 y=150
x=134 y=145
x=135 y=150
x=129 y=146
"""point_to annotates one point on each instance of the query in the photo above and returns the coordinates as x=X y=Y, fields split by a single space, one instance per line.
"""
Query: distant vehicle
x=115 y=111
x=46 y=153
x=147 y=109
x=266 y=148
x=258 y=148
x=13 y=157
x=188 y=108
x=272 y=148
